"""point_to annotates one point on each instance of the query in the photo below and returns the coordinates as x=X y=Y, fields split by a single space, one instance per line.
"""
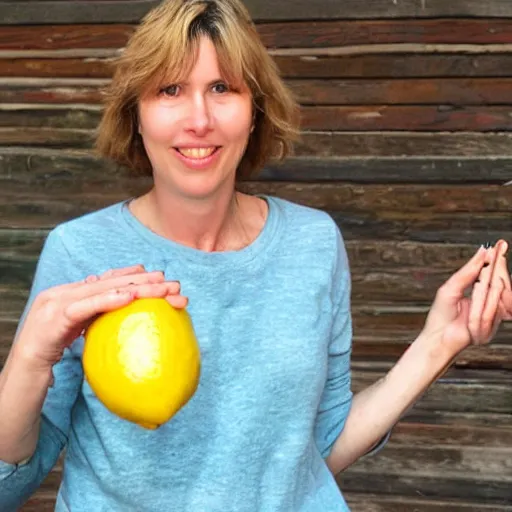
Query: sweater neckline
x=260 y=246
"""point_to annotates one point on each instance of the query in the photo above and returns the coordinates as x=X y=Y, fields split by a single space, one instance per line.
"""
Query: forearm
x=377 y=409
x=22 y=394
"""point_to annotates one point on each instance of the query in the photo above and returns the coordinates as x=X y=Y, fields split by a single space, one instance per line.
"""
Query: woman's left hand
x=457 y=319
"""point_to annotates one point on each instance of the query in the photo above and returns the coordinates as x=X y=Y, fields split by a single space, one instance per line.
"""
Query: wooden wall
x=407 y=113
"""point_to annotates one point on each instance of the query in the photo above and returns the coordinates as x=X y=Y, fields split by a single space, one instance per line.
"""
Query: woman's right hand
x=60 y=314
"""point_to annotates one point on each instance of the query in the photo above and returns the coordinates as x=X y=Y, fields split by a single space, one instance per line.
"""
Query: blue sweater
x=274 y=327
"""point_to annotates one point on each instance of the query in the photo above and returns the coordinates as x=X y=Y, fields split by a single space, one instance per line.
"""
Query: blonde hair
x=165 y=46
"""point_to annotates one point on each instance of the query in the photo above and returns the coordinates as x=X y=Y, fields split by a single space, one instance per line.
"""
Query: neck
x=211 y=224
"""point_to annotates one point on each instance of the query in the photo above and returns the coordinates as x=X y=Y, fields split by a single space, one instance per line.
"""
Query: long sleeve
x=337 y=395
x=18 y=482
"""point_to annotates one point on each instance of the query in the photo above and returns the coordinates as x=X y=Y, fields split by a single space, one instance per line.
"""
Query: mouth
x=197 y=153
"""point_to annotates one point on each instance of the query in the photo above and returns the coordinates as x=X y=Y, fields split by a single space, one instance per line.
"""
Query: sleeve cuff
x=7 y=469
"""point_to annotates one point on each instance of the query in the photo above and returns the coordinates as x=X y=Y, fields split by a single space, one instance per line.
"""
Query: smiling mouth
x=197 y=153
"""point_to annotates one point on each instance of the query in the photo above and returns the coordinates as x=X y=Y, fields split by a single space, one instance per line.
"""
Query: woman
x=196 y=103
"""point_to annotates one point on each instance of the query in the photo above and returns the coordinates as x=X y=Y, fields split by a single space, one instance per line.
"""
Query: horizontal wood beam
x=131 y=11
x=289 y=34
x=398 y=65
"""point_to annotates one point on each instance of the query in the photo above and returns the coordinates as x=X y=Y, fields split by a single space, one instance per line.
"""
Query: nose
x=199 y=119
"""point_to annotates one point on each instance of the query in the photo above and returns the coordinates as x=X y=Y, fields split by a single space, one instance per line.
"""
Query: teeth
x=197 y=152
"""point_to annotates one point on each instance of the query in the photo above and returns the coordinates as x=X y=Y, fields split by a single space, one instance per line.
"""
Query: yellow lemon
x=143 y=361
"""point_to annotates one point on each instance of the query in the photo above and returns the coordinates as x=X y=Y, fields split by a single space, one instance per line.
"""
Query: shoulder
x=82 y=241
x=307 y=223
x=91 y=227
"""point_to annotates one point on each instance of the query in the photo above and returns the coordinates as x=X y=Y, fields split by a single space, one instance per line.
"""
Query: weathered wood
x=399 y=65
x=458 y=390
x=489 y=492
x=419 y=118
x=86 y=67
x=455 y=91
x=56 y=116
x=64 y=37
x=388 y=31
x=366 y=502
x=457 y=462
x=437 y=436
x=11 y=93
x=105 y=11
x=403 y=144
x=46 y=138
x=317 y=34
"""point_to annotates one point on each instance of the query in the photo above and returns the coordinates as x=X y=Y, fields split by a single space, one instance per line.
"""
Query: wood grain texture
x=111 y=11
x=393 y=65
x=288 y=34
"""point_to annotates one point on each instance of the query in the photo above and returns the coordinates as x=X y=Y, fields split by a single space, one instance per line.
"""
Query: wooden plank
x=369 y=169
x=399 y=65
x=290 y=34
x=64 y=37
x=108 y=11
x=469 y=464
x=439 y=436
x=401 y=144
x=410 y=118
x=86 y=67
x=464 y=391
x=406 y=65
x=322 y=34
x=56 y=116
x=409 y=485
x=46 y=138
x=11 y=93
x=454 y=92
x=366 y=502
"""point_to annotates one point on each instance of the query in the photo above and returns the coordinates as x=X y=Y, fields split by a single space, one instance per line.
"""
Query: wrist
x=436 y=354
x=26 y=361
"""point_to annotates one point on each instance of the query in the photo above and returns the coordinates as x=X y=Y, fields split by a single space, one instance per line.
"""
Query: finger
x=479 y=295
x=506 y=304
x=159 y=290
x=123 y=271
x=177 y=301
x=453 y=289
x=91 y=289
x=501 y=267
x=81 y=311
x=490 y=318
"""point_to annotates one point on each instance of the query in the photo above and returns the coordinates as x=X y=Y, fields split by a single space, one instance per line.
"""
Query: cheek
x=156 y=122
x=235 y=120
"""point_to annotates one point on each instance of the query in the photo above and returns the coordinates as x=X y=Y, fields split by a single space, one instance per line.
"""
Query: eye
x=220 y=88
x=170 y=90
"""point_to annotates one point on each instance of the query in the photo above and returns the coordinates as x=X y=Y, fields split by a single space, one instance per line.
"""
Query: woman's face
x=195 y=132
